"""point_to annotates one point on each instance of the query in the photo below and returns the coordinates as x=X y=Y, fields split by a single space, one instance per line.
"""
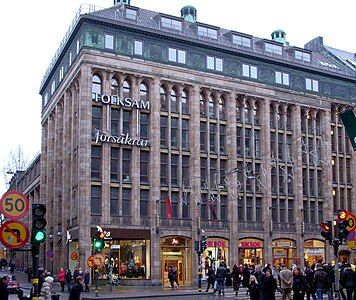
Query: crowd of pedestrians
x=264 y=283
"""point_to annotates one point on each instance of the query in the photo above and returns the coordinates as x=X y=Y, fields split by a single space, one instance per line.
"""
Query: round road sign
x=74 y=256
x=99 y=260
x=90 y=261
x=14 y=234
x=14 y=205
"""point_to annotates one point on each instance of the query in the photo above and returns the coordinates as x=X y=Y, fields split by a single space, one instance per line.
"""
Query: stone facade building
x=241 y=134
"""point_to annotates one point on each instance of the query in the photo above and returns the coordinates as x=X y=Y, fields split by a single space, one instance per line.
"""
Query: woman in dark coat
x=254 y=288
x=299 y=284
x=268 y=286
x=211 y=278
x=236 y=280
x=228 y=280
x=246 y=276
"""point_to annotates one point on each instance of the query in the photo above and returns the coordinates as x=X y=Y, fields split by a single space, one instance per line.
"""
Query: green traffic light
x=40 y=236
x=98 y=245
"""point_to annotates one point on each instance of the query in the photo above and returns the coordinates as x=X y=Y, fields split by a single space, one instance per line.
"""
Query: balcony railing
x=176 y=223
x=215 y=224
x=145 y=221
x=312 y=228
x=120 y=220
x=251 y=226
x=284 y=227
x=95 y=219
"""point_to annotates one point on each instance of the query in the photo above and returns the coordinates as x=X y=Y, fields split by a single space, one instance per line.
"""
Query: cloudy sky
x=32 y=31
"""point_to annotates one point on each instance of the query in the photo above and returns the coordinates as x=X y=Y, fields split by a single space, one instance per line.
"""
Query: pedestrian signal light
x=203 y=243
x=326 y=232
x=38 y=223
x=343 y=232
x=99 y=243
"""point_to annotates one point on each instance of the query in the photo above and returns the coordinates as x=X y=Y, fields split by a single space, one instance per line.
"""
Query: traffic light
x=203 y=243
x=99 y=243
x=38 y=223
x=326 y=230
x=343 y=232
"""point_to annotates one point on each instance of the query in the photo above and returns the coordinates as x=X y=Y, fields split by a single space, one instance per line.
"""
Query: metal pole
x=35 y=265
x=336 y=268
x=96 y=276
x=200 y=275
x=110 y=270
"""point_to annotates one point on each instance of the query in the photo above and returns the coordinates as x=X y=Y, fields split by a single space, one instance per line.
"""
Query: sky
x=32 y=31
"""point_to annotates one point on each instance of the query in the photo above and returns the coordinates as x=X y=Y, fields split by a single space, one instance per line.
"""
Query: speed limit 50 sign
x=14 y=205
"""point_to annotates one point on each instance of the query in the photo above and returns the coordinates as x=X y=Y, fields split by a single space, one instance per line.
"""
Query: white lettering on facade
x=123 y=139
x=125 y=102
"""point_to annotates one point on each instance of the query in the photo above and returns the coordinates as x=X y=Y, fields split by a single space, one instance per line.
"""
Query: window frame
x=138 y=50
x=106 y=36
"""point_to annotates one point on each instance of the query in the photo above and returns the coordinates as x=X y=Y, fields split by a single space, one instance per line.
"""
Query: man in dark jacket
x=220 y=278
x=348 y=281
x=76 y=289
x=320 y=282
x=4 y=292
x=211 y=278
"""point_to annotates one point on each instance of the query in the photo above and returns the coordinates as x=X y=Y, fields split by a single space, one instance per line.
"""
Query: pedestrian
x=170 y=277
x=62 y=278
x=309 y=277
x=228 y=279
x=4 y=292
x=268 y=286
x=41 y=278
x=75 y=274
x=86 y=280
x=47 y=288
x=331 y=279
x=320 y=282
x=275 y=274
x=12 y=267
x=29 y=274
x=348 y=281
x=236 y=279
x=211 y=278
x=76 y=289
x=254 y=288
x=298 y=284
x=246 y=278
x=286 y=282
x=68 y=278
x=220 y=279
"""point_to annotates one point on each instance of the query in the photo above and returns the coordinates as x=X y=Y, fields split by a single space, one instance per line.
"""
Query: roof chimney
x=189 y=13
x=122 y=2
x=279 y=35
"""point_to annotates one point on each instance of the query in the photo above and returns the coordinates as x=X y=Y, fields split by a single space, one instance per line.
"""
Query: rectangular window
x=299 y=55
x=174 y=169
x=214 y=63
x=223 y=207
x=126 y=202
x=115 y=121
x=203 y=171
x=222 y=138
x=282 y=78
x=61 y=73
x=70 y=58
x=126 y=122
x=126 y=165
x=96 y=162
x=144 y=203
x=144 y=163
x=249 y=71
x=203 y=207
x=258 y=210
x=164 y=131
x=115 y=164
x=290 y=211
x=144 y=124
x=238 y=141
x=77 y=47
x=282 y=211
x=185 y=134
x=171 y=24
x=202 y=136
x=95 y=200
x=207 y=32
x=53 y=87
x=257 y=144
x=138 y=47
x=213 y=164
x=312 y=85
x=185 y=170
x=275 y=49
x=176 y=55
x=185 y=206
x=109 y=41
x=241 y=41
x=164 y=165
x=212 y=128
x=248 y=142
x=131 y=14
x=174 y=133
x=114 y=201
x=249 y=212
x=240 y=209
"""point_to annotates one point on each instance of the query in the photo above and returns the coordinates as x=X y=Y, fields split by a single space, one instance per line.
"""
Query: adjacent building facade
x=241 y=134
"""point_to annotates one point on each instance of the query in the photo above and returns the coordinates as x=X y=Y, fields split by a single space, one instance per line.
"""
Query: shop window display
x=314 y=250
x=250 y=252
x=130 y=259
x=216 y=252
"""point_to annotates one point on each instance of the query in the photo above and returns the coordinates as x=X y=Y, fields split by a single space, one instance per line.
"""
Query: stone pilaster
x=232 y=177
x=84 y=165
x=154 y=175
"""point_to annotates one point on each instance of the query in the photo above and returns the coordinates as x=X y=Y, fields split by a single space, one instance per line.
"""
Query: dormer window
x=207 y=32
x=131 y=14
x=241 y=41
x=172 y=24
x=274 y=49
x=302 y=56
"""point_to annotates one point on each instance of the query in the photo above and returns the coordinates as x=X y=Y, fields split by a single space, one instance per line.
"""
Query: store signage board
x=14 y=205
x=14 y=234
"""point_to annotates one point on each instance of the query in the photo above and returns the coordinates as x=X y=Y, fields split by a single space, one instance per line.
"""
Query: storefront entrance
x=284 y=252
x=176 y=252
x=250 y=251
x=216 y=252
x=314 y=250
